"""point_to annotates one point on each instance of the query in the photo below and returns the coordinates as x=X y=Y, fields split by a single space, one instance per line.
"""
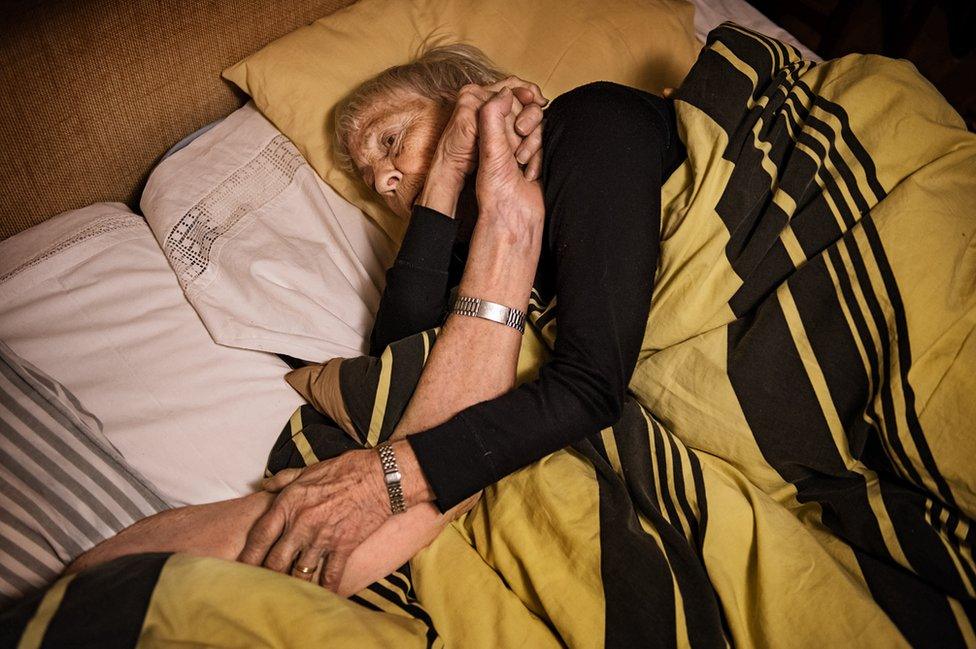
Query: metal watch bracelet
x=392 y=477
x=478 y=308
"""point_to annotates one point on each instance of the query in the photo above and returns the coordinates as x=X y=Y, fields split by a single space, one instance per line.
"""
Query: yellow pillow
x=297 y=80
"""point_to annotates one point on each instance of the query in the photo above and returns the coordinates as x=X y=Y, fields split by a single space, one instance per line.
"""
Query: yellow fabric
x=213 y=603
x=297 y=80
x=33 y=634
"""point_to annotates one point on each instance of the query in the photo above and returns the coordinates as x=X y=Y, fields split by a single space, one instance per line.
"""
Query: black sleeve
x=416 y=285
x=605 y=149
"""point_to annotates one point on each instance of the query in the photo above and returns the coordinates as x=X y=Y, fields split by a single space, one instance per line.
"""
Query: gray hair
x=438 y=73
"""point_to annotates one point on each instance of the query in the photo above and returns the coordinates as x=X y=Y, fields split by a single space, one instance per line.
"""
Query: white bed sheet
x=709 y=14
x=89 y=298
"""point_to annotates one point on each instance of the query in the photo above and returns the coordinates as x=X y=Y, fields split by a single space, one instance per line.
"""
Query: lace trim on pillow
x=96 y=228
x=189 y=243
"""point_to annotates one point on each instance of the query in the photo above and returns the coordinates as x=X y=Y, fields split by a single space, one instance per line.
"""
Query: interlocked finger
x=528 y=119
x=525 y=91
x=534 y=167
x=529 y=146
x=282 y=555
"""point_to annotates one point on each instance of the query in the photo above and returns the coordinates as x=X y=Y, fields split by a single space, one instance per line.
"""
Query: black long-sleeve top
x=606 y=150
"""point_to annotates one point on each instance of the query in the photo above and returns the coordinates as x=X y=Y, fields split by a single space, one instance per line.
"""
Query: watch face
x=392 y=477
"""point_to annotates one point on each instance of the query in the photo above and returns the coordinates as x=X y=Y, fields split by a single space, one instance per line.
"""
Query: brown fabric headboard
x=93 y=92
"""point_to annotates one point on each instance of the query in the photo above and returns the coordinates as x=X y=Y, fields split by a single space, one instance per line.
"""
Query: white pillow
x=268 y=254
x=89 y=298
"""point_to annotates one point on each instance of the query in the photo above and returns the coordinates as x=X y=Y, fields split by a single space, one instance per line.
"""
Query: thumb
x=494 y=147
x=280 y=480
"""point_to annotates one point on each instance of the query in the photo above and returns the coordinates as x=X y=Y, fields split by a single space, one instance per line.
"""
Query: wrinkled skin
x=400 y=134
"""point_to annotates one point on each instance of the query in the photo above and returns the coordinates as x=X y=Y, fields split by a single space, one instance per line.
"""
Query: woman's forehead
x=382 y=112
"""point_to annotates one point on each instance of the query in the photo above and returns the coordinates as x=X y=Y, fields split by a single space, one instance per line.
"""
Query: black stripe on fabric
x=834 y=155
x=411 y=608
x=402 y=582
x=637 y=577
x=851 y=140
x=358 y=381
x=637 y=588
x=905 y=360
x=969 y=608
x=873 y=428
x=847 y=381
x=663 y=479
x=632 y=436
x=546 y=316
x=762 y=280
x=327 y=441
x=106 y=606
x=920 y=612
x=775 y=395
x=323 y=435
x=679 y=489
x=711 y=71
x=881 y=369
x=834 y=348
x=408 y=364
x=701 y=497
x=366 y=603
x=752 y=52
x=813 y=223
x=15 y=616
x=920 y=541
x=830 y=185
x=782 y=410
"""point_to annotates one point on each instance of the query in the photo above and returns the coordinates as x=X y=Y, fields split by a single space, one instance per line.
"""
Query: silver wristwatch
x=392 y=477
x=478 y=308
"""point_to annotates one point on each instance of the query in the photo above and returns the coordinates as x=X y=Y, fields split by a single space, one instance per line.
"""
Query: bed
x=142 y=332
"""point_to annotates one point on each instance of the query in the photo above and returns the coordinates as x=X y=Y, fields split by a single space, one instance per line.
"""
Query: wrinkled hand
x=323 y=511
x=506 y=197
x=458 y=146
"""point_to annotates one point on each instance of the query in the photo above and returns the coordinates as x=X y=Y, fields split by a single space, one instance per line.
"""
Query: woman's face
x=393 y=147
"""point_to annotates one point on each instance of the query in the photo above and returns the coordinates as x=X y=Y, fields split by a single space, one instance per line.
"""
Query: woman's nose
x=387 y=179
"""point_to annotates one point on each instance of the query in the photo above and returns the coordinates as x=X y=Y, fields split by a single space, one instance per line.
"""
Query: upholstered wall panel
x=92 y=92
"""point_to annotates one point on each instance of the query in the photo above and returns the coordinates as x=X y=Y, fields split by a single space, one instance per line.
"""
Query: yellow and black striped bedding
x=794 y=465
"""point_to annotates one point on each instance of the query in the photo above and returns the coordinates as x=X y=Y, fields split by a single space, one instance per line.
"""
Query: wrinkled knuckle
x=466 y=103
x=307 y=516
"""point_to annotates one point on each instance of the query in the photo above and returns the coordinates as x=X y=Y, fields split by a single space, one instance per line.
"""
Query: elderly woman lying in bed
x=792 y=354
x=416 y=133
